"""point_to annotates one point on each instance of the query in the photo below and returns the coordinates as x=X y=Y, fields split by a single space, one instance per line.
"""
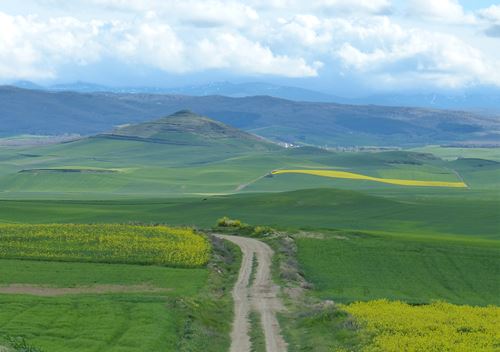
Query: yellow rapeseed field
x=399 y=327
x=106 y=243
x=354 y=176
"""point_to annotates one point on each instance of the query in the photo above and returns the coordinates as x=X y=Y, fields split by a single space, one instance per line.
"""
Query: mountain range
x=486 y=100
x=25 y=111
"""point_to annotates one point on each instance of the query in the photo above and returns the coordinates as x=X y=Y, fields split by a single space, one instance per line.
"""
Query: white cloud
x=290 y=38
x=449 y=11
x=491 y=14
x=31 y=48
x=237 y=52
x=386 y=50
x=203 y=13
x=328 y=6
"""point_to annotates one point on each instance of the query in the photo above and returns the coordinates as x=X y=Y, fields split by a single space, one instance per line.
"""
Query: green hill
x=187 y=128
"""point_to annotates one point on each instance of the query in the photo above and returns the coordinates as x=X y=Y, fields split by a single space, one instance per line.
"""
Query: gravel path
x=261 y=296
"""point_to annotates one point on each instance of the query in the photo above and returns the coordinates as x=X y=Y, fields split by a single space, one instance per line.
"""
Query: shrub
x=227 y=222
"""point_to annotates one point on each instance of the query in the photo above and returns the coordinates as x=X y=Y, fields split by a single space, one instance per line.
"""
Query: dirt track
x=37 y=290
x=261 y=296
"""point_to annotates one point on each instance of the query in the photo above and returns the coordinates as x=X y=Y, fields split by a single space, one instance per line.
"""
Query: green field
x=349 y=267
x=95 y=322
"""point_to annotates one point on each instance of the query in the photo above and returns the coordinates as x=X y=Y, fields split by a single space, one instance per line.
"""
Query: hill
x=40 y=112
x=187 y=128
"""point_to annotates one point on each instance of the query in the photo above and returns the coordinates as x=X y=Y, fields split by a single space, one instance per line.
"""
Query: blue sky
x=342 y=47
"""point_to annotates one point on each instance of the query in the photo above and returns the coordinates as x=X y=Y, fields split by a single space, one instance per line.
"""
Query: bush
x=227 y=222
x=262 y=231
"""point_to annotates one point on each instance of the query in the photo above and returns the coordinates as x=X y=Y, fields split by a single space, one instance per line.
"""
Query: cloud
x=448 y=11
x=238 y=53
x=389 y=54
x=491 y=15
x=201 y=13
x=365 y=39
x=32 y=48
x=328 y=7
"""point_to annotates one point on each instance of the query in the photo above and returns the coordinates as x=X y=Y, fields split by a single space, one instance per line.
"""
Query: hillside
x=187 y=128
x=39 y=112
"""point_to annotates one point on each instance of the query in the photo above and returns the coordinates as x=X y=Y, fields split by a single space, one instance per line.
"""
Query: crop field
x=118 y=288
x=354 y=176
x=158 y=245
x=452 y=153
x=88 y=317
x=355 y=266
x=397 y=326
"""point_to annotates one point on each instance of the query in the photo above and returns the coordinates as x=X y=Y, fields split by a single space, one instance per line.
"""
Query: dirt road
x=261 y=296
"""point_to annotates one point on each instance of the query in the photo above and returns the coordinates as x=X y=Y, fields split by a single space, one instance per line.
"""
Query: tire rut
x=261 y=296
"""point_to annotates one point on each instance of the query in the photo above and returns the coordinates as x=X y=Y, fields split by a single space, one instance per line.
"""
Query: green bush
x=227 y=222
x=262 y=231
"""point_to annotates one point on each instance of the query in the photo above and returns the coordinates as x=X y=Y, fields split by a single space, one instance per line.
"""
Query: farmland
x=397 y=326
x=400 y=225
x=353 y=176
x=357 y=266
x=158 y=245
x=109 y=287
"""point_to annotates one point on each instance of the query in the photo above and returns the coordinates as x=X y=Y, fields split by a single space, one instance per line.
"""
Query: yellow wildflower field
x=400 y=327
x=106 y=243
x=354 y=176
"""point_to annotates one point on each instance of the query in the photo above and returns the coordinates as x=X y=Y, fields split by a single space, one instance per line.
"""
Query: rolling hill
x=187 y=128
x=25 y=111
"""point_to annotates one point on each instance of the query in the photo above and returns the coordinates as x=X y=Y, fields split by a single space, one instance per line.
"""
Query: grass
x=446 y=215
x=353 y=176
x=452 y=153
x=348 y=267
x=179 y=281
x=322 y=328
x=106 y=322
x=257 y=338
x=107 y=243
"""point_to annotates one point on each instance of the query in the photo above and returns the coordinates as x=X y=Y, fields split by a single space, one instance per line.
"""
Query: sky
x=342 y=47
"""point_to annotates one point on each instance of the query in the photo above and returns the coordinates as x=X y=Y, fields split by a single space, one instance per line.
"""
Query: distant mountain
x=254 y=89
x=39 y=112
x=217 y=88
x=484 y=100
x=488 y=101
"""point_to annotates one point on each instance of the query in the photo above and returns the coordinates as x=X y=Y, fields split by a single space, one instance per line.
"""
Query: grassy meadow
x=350 y=267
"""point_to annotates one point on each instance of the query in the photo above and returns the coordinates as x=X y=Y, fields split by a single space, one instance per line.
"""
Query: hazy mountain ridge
x=39 y=112
x=475 y=99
